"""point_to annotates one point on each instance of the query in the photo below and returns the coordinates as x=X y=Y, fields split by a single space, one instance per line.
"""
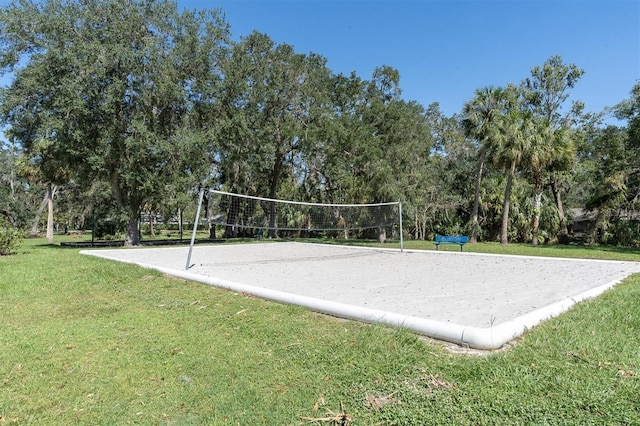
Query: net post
x=401 y=236
x=195 y=228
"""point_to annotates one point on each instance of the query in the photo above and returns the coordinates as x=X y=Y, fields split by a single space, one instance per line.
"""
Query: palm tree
x=480 y=118
x=550 y=150
x=553 y=149
x=512 y=139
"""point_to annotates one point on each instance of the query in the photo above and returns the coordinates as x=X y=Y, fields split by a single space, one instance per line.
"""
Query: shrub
x=9 y=237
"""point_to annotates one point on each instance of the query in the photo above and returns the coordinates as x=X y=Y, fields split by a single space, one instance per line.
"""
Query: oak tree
x=104 y=90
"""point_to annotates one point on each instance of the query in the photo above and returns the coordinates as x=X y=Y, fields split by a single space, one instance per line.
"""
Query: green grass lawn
x=90 y=341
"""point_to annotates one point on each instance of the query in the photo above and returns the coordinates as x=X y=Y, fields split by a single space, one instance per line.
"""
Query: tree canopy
x=104 y=91
x=125 y=106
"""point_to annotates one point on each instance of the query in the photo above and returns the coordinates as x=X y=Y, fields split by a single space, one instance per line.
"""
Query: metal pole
x=401 y=236
x=195 y=228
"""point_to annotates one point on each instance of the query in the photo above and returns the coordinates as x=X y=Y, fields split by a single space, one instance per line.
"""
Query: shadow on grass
x=67 y=245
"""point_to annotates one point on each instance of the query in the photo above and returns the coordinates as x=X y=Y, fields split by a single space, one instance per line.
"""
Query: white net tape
x=241 y=215
x=246 y=216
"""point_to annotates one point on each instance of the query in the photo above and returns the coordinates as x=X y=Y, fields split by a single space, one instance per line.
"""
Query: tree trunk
x=563 y=220
x=209 y=214
x=231 y=231
x=272 y=220
x=50 y=214
x=9 y=216
x=151 y=229
x=36 y=220
x=476 y=201
x=537 y=203
x=212 y=230
x=382 y=218
x=537 y=206
x=51 y=192
x=273 y=188
x=504 y=233
x=133 y=237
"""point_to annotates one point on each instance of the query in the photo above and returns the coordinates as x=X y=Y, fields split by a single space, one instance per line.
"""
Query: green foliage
x=552 y=145
x=610 y=160
x=107 y=92
x=18 y=196
x=270 y=99
x=520 y=130
x=128 y=106
x=10 y=237
x=625 y=232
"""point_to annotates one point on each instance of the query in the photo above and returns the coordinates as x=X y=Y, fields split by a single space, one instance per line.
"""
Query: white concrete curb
x=489 y=338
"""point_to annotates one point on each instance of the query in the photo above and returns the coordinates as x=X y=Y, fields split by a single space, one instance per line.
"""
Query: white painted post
x=195 y=228
x=401 y=236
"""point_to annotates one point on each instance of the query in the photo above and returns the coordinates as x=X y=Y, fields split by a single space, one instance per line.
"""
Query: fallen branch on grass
x=340 y=419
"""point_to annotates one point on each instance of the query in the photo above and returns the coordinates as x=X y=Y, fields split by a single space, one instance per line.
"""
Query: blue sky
x=445 y=50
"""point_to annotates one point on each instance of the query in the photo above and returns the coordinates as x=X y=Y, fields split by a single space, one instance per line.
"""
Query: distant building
x=581 y=220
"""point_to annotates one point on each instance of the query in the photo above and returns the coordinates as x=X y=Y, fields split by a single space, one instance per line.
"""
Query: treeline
x=119 y=107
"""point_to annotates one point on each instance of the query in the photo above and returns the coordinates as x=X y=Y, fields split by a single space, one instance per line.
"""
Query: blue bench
x=451 y=239
x=258 y=235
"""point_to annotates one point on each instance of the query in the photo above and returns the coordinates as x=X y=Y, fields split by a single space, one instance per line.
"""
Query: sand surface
x=451 y=287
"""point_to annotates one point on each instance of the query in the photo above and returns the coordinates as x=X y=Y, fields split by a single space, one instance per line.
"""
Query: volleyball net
x=243 y=216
